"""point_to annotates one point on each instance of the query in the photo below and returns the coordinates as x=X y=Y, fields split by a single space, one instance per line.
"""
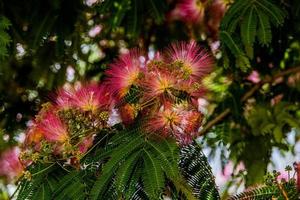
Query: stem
x=246 y=96
x=44 y=169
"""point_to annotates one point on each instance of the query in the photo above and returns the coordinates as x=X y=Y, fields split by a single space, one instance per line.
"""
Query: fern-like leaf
x=153 y=178
x=197 y=171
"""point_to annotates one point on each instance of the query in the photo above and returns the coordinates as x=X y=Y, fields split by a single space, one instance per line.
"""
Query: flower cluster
x=65 y=128
x=163 y=92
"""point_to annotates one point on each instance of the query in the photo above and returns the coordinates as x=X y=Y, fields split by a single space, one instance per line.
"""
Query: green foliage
x=196 y=170
x=253 y=18
x=269 y=192
x=129 y=166
x=5 y=39
x=273 y=120
x=52 y=182
x=138 y=164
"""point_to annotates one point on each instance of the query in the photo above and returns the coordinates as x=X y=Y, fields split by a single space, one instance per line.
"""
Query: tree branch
x=246 y=96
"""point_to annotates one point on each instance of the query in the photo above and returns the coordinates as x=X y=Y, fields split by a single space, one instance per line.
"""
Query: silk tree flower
x=164 y=122
x=10 y=165
x=190 y=11
x=52 y=127
x=159 y=85
x=86 y=97
x=125 y=72
x=91 y=97
x=63 y=98
x=194 y=62
x=190 y=122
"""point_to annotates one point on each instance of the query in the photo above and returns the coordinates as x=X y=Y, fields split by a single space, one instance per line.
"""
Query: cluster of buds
x=207 y=13
x=65 y=128
x=162 y=92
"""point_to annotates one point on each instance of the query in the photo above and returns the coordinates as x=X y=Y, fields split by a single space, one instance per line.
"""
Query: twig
x=246 y=96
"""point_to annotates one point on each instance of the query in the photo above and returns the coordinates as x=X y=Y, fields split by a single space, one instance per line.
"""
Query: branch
x=246 y=96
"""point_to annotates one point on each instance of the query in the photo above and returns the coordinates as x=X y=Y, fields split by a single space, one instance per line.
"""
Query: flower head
x=192 y=11
x=164 y=122
x=193 y=61
x=91 y=97
x=10 y=165
x=158 y=84
x=86 y=97
x=125 y=72
x=52 y=127
x=64 y=98
x=191 y=121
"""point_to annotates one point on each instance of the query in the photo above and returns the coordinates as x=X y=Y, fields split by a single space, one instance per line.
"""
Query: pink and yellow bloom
x=64 y=98
x=159 y=84
x=87 y=97
x=190 y=11
x=194 y=62
x=10 y=165
x=52 y=127
x=125 y=72
x=91 y=97
x=164 y=122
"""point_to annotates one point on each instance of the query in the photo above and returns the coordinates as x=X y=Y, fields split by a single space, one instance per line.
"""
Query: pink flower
x=125 y=72
x=88 y=97
x=194 y=62
x=92 y=97
x=158 y=84
x=164 y=122
x=63 y=98
x=190 y=122
x=53 y=129
x=10 y=165
x=283 y=176
x=254 y=77
x=191 y=11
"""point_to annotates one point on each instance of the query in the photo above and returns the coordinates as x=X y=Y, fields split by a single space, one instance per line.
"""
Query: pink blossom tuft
x=125 y=72
x=10 y=165
x=53 y=129
x=194 y=61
